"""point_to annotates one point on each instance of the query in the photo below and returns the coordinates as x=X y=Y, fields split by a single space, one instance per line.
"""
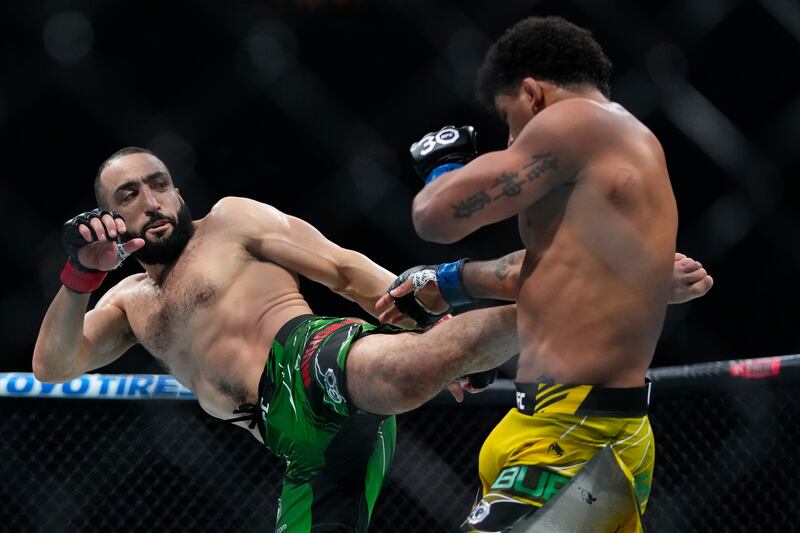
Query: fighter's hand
x=689 y=280
x=444 y=150
x=386 y=310
x=91 y=241
x=473 y=384
x=414 y=294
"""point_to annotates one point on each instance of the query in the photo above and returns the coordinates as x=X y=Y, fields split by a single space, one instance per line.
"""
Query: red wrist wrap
x=80 y=281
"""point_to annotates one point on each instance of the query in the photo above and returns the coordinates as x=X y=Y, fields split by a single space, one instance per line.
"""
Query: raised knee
x=385 y=387
x=409 y=395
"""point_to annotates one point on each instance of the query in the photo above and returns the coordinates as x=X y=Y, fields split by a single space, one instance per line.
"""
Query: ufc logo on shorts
x=520 y=400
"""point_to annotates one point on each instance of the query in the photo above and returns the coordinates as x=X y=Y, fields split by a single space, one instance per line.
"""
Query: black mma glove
x=409 y=304
x=442 y=151
x=449 y=280
x=72 y=239
x=481 y=380
x=76 y=276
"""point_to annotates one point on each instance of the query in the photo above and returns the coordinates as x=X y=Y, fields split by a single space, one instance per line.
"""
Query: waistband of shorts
x=292 y=324
x=582 y=400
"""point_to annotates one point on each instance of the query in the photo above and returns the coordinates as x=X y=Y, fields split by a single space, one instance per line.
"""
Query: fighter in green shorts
x=336 y=454
x=216 y=291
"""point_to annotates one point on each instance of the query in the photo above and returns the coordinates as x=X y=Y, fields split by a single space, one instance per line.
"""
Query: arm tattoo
x=501 y=269
x=510 y=187
x=508 y=183
x=470 y=205
x=540 y=163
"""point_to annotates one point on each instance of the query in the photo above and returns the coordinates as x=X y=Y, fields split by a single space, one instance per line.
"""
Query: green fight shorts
x=337 y=456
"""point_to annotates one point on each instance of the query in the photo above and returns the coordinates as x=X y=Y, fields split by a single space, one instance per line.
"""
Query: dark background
x=311 y=106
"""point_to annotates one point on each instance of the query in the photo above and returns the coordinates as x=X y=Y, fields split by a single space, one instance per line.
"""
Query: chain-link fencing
x=726 y=459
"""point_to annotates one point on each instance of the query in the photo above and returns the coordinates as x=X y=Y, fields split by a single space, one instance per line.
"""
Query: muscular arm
x=300 y=247
x=497 y=279
x=72 y=341
x=498 y=185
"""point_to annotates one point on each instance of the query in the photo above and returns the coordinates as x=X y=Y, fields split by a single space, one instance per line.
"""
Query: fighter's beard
x=167 y=250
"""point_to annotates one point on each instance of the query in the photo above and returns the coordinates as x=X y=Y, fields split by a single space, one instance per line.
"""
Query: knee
x=392 y=379
x=408 y=394
x=419 y=376
x=384 y=386
x=393 y=395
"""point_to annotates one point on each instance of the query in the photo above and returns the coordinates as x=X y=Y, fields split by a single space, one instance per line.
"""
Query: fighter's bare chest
x=164 y=315
x=160 y=315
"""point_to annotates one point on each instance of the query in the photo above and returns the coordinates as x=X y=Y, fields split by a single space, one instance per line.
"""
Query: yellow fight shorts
x=554 y=431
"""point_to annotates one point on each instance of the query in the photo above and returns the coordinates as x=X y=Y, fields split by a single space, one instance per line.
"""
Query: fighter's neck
x=555 y=94
x=158 y=273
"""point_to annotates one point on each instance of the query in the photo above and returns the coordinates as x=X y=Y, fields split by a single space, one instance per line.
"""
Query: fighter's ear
x=533 y=92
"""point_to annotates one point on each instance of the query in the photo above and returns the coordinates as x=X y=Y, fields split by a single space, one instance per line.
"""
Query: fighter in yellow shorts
x=588 y=183
x=551 y=435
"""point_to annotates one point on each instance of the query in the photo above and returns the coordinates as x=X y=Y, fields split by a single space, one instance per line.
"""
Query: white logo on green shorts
x=331 y=387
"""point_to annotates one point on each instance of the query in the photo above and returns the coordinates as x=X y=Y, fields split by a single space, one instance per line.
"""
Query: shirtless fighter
x=597 y=216
x=218 y=303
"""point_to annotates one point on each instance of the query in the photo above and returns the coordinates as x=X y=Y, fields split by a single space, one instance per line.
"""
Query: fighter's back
x=595 y=282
